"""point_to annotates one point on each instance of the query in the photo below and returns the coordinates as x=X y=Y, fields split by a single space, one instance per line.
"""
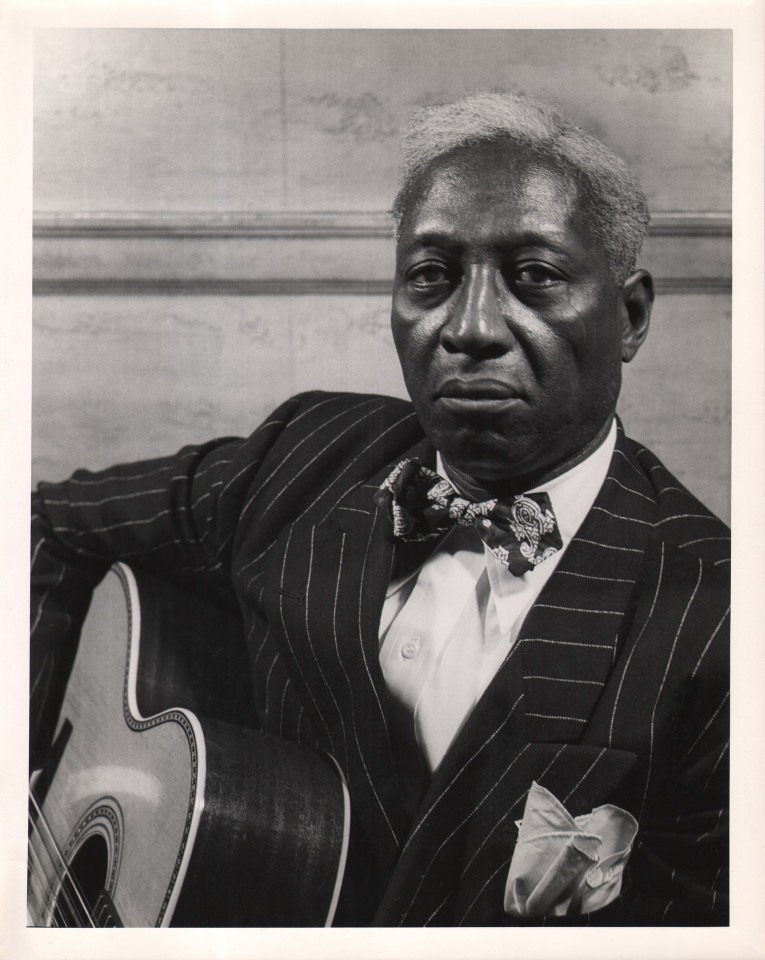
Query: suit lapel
x=326 y=584
x=573 y=633
x=571 y=637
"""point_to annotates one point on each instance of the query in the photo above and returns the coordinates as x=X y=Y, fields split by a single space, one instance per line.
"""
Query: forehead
x=496 y=191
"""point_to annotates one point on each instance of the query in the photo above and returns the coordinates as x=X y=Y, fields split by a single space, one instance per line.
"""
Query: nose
x=477 y=323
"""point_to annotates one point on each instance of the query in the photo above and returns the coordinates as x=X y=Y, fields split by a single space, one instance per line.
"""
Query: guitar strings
x=44 y=889
x=36 y=881
x=40 y=889
x=80 y=914
x=61 y=904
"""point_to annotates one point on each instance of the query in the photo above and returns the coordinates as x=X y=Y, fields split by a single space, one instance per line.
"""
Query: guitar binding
x=206 y=799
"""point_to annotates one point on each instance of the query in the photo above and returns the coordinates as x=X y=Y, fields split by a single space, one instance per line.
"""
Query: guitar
x=160 y=804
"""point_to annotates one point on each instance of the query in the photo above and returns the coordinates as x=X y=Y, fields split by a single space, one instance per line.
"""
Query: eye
x=429 y=275
x=537 y=276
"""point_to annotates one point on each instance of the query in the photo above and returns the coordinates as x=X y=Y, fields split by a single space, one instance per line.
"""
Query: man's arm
x=174 y=517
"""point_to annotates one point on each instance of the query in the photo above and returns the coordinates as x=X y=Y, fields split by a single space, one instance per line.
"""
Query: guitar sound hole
x=80 y=891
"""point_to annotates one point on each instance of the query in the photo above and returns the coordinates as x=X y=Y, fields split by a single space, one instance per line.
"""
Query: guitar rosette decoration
x=421 y=505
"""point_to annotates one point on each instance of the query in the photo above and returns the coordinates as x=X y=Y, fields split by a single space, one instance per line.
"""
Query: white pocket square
x=565 y=865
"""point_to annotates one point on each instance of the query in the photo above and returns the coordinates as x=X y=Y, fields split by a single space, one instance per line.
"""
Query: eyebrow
x=454 y=242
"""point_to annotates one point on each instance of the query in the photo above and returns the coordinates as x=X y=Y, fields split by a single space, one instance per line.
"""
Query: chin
x=482 y=457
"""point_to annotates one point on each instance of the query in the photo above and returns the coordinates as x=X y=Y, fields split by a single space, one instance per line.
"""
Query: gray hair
x=617 y=204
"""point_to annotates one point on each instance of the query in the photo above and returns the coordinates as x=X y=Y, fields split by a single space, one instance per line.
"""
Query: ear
x=637 y=300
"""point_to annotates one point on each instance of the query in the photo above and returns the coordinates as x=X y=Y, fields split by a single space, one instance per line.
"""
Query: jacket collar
x=571 y=637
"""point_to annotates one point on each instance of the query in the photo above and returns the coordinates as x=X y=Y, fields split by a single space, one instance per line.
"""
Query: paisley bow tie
x=421 y=504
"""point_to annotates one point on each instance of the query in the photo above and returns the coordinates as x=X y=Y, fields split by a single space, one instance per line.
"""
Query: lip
x=477 y=397
x=478 y=390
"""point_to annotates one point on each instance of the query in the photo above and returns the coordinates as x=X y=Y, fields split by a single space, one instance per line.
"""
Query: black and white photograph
x=383 y=389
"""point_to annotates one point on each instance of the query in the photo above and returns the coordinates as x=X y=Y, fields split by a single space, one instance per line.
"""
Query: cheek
x=553 y=351
x=592 y=339
x=412 y=340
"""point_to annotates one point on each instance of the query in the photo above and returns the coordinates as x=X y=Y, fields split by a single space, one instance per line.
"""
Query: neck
x=503 y=488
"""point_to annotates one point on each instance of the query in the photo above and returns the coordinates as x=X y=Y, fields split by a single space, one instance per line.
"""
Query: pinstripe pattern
x=487 y=742
x=628 y=659
x=468 y=816
x=709 y=642
x=509 y=812
x=355 y=725
x=616 y=691
x=661 y=689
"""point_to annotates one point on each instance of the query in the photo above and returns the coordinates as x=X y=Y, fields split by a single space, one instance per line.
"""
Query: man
x=491 y=607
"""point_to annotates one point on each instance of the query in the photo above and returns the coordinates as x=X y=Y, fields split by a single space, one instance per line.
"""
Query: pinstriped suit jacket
x=616 y=690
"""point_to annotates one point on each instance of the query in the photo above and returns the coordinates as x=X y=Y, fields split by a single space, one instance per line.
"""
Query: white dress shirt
x=447 y=627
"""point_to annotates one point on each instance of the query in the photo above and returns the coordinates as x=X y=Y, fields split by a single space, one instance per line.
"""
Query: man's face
x=508 y=324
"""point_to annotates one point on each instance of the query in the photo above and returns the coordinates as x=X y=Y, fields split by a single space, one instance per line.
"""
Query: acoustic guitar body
x=151 y=815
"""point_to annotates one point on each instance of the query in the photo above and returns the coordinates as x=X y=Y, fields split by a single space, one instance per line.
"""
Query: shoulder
x=682 y=608
x=310 y=450
x=682 y=521
x=320 y=407
x=338 y=424
x=317 y=438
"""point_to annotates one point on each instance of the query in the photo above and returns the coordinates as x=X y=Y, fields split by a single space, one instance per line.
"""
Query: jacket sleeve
x=173 y=517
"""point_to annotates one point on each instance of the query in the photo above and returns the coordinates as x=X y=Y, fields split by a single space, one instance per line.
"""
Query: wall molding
x=276 y=287
x=82 y=287
x=299 y=224
x=299 y=253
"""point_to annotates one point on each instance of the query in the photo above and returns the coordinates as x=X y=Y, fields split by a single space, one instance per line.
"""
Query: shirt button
x=486 y=522
x=411 y=648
